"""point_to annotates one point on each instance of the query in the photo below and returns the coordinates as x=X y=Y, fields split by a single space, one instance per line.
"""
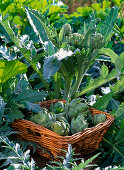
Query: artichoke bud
x=97 y=41
x=81 y=107
x=78 y=124
x=75 y=39
x=72 y=113
x=67 y=29
x=99 y=118
x=44 y=118
x=62 y=118
x=61 y=128
x=85 y=113
x=74 y=102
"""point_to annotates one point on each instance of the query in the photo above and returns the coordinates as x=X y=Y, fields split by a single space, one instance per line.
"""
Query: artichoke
x=99 y=118
x=76 y=108
x=62 y=118
x=81 y=107
x=67 y=29
x=97 y=41
x=61 y=128
x=72 y=113
x=75 y=39
x=78 y=124
x=44 y=118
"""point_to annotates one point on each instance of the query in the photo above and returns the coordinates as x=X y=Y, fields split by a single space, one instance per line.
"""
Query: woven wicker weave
x=84 y=142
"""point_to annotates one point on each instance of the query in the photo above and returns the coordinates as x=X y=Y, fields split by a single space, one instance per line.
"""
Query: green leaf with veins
x=30 y=96
x=37 y=25
x=8 y=69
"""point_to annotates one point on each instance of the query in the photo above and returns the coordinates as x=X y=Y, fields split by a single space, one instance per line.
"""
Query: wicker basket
x=52 y=144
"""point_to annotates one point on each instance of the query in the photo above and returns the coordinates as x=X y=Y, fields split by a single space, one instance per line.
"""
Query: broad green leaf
x=85 y=11
x=117 y=2
x=8 y=69
x=5 y=23
x=102 y=103
x=53 y=63
x=98 y=82
x=17 y=20
x=119 y=86
x=122 y=29
x=37 y=25
x=104 y=70
x=89 y=32
x=37 y=57
x=86 y=163
x=96 y=6
x=106 y=4
x=30 y=96
x=110 y=53
x=50 y=67
x=51 y=50
x=106 y=28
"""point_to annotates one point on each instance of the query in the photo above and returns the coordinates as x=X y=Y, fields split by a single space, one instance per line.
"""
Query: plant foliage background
x=38 y=41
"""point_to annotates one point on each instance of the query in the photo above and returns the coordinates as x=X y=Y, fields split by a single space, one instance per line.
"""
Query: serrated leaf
x=106 y=28
x=6 y=53
x=104 y=70
x=8 y=69
x=37 y=25
x=14 y=113
x=102 y=103
x=32 y=107
x=30 y=96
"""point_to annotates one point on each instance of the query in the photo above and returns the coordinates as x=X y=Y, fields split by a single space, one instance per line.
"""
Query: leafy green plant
x=83 y=57
x=113 y=143
x=22 y=97
x=14 y=156
x=62 y=68
x=70 y=163
x=64 y=49
x=16 y=10
x=8 y=69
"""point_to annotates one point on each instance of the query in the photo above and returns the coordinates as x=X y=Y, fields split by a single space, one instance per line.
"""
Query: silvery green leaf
x=32 y=106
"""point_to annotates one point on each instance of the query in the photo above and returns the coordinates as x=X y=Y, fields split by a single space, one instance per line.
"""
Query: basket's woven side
x=84 y=142
x=49 y=141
